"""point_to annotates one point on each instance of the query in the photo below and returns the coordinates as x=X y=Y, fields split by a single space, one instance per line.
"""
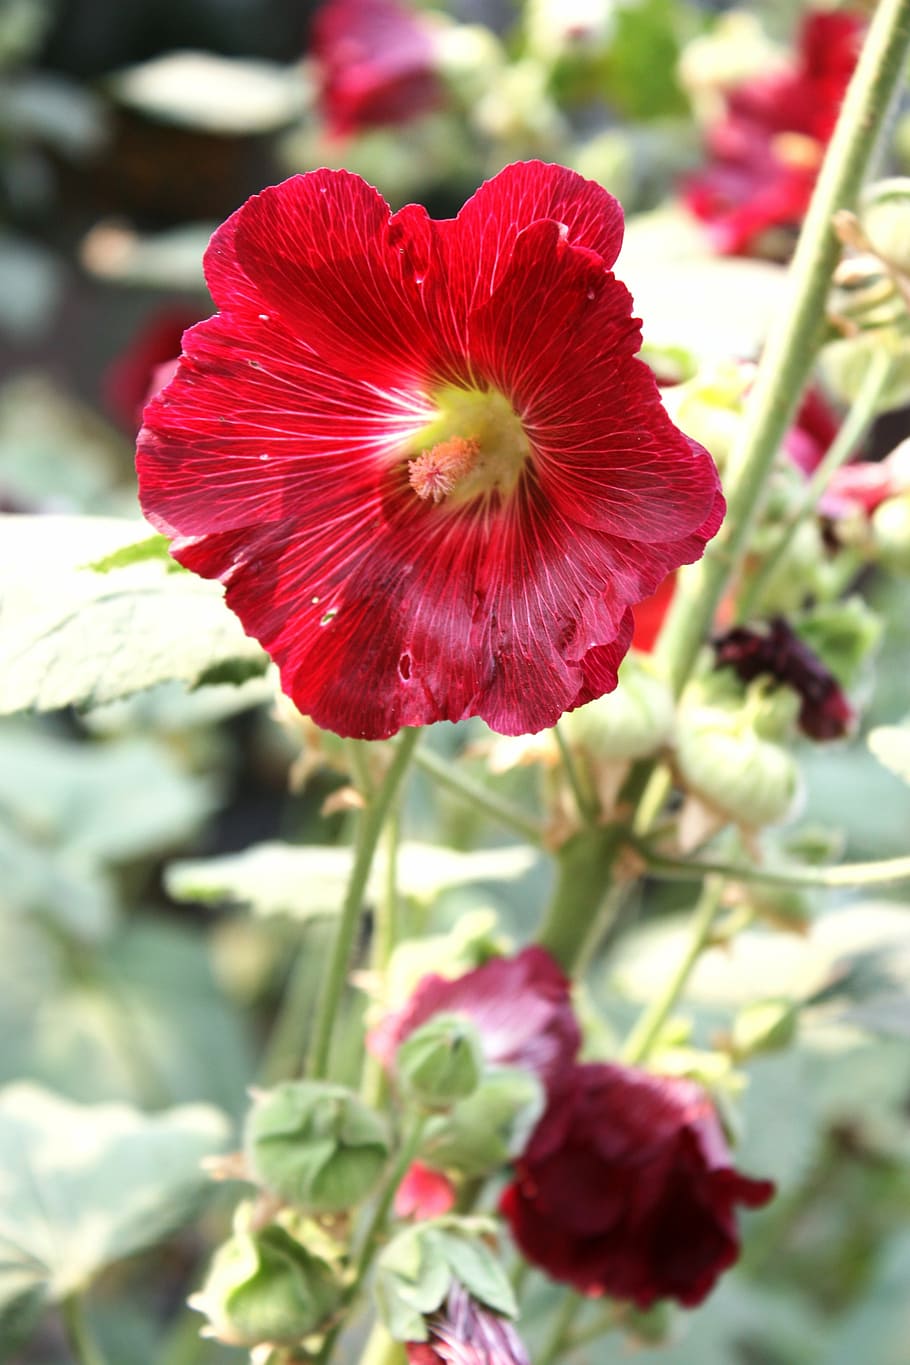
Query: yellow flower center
x=474 y=447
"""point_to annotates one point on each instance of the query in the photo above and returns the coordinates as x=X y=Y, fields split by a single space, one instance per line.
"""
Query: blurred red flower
x=764 y=155
x=627 y=1188
x=424 y=1193
x=464 y=1333
x=142 y=369
x=422 y=455
x=519 y=1005
x=375 y=63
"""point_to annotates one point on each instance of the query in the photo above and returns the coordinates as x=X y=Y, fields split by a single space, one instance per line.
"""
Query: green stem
x=584 y=866
x=855 y=425
x=372 y=820
x=285 y=1045
x=82 y=1343
x=879 y=872
x=380 y=1349
x=372 y=1237
x=587 y=805
x=651 y=1022
x=561 y=1330
x=792 y=346
x=385 y=934
x=447 y=774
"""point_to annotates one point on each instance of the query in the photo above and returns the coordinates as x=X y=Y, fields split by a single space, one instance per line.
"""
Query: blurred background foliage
x=163 y=855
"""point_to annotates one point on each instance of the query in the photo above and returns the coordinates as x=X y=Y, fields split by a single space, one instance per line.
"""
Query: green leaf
x=84 y=1186
x=55 y=450
x=891 y=746
x=73 y=637
x=306 y=880
x=878 y=1328
x=111 y=802
x=226 y=95
x=152 y=547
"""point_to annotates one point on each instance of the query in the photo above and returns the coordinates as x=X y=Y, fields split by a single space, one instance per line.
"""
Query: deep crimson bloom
x=376 y=64
x=133 y=377
x=424 y=1193
x=464 y=1333
x=627 y=1188
x=422 y=455
x=764 y=155
x=519 y=1005
x=776 y=651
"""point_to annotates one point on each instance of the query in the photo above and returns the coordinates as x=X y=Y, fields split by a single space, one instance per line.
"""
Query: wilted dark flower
x=627 y=1188
x=774 y=650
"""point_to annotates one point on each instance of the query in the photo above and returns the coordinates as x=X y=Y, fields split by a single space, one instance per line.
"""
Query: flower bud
x=724 y=760
x=891 y=532
x=764 y=1026
x=315 y=1145
x=885 y=216
x=485 y=1131
x=440 y=1062
x=265 y=1287
x=844 y=365
x=630 y=722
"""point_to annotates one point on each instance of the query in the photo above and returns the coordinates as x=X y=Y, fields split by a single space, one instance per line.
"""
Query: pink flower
x=424 y=1193
x=627 y=1188
x=464 y=1333
x=519 y=1005
x=421 y=455
x=764 y=155
x=376 y=64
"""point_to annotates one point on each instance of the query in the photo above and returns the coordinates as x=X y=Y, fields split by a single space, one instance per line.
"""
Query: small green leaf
x=152 y=547
x=84 y=1186
x=306 y=880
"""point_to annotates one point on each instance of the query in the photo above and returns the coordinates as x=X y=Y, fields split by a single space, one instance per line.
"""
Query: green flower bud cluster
x=315 y=1146
x=263 y=1286
x=722 y=756
x=484 y=1132
x=415 y=1272
x=631 y=722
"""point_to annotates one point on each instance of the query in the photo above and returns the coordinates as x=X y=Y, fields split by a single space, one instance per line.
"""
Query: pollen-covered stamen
x=435 y=472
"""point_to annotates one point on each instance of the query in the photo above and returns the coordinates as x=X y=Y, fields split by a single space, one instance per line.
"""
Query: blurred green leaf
x=69 y=636
x=306 y=880
x=891 y=746
x=109 y=802
x=878 y=1328
x=228 y=95
x=55 y=453
x=66 y=886
x=81 y=1187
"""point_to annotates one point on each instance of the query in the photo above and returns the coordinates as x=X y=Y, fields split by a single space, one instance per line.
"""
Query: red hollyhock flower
x=424 y=1193
x=422 y=455
x=464 y=1333
x=766 y=152
x=519 y=1005
x=776 y=651
x=627 y=1188
x=376 y=64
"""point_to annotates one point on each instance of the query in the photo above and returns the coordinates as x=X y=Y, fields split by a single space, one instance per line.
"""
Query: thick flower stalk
x=422 y=455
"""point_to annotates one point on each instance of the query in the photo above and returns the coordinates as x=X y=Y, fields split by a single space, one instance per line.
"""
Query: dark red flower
x=519 y=1005
x=376 y=64
x=765 y=153
x=464 y=1333
x=422 y=455
x=424 y=1193
x=775 y=651
x=136 y=375
x=627 y=1188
